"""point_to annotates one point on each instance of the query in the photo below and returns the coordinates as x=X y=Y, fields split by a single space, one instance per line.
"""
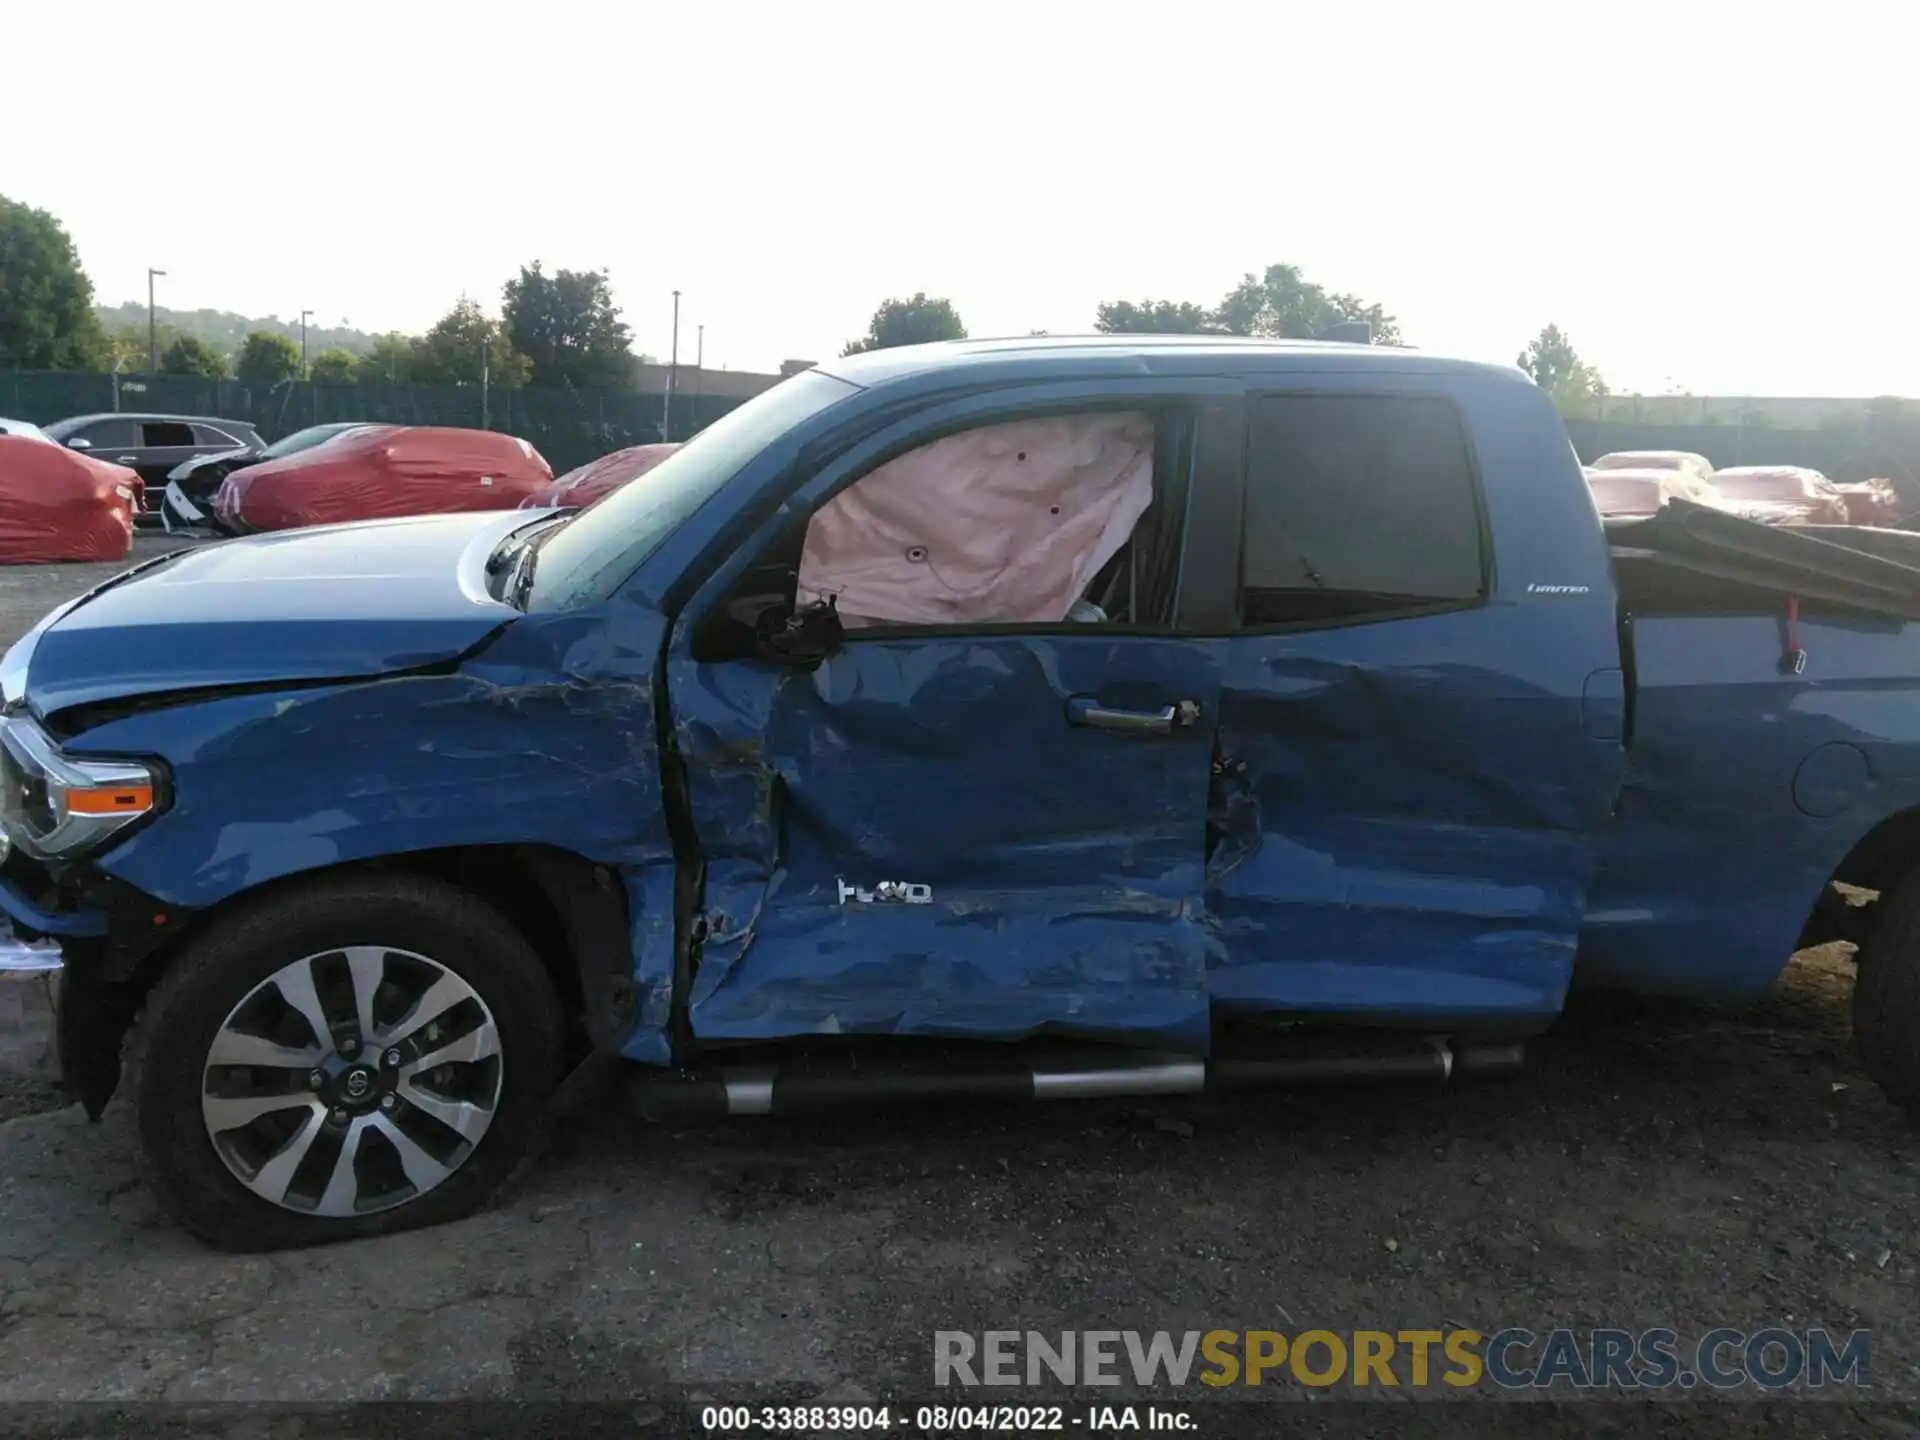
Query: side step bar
x=795 y=1088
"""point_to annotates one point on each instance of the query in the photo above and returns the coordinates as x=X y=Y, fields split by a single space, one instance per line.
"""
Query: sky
x=1719 y=199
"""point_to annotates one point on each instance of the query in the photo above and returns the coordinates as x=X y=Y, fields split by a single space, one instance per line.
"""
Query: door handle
x=1085 y=710
x=124 y=459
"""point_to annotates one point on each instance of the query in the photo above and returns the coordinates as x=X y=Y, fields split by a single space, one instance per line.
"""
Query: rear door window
x=166 y=434
x=1357 y=504
x=215 y=437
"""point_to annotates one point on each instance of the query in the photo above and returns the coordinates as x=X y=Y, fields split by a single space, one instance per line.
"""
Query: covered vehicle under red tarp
x=56 y=504
x=1871 y=502
x=1642 y=492
x=1655 y=460
x=587 y=483
x=382 y=472
x=1781 y=495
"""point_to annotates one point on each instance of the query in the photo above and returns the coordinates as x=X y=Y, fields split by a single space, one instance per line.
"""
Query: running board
x=781 y=1089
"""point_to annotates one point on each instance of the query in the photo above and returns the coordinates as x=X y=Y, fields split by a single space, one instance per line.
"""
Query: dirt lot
x=1656 y=1166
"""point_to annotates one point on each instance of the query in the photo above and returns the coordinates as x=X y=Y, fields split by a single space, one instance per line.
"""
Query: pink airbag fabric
x=1001 y=525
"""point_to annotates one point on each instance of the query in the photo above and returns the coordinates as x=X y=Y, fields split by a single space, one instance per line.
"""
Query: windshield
x=304 y=440
x=593 y=555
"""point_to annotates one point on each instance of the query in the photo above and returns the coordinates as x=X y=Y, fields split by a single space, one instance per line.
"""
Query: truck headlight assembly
x=54 y=806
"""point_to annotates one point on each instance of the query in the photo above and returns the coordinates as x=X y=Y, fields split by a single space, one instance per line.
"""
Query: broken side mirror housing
x=801 y=637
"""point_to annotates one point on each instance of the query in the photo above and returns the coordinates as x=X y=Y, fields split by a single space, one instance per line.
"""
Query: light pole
x=700 y=361
x=673 y=366
x=304 y=314
x=153 y=362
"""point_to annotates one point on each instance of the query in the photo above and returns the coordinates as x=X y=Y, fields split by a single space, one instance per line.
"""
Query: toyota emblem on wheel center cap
x=358 y=1083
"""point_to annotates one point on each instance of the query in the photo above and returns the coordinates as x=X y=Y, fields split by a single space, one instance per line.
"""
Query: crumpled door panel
x=1064 y=863
x=1406 y=829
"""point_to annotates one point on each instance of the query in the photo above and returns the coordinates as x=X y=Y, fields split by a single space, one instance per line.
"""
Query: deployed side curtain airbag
x=1004 y=524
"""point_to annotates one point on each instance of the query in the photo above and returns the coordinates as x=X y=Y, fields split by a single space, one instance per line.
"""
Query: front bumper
x=97 y=939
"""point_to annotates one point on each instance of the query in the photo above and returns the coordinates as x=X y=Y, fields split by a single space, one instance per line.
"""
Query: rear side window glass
x=1357 y=503
x=211 y=435
x=117 y=434
x=160 y=433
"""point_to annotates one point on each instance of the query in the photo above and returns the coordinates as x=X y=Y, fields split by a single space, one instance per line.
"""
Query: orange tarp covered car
x=1642 y=492
x=1782 y=494
x=57 y=504
x=1655 y=460
x=584 y=484
x=1872 y=502
x=382 y=472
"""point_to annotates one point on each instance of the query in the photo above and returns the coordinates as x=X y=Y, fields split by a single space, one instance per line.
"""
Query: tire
x=227 y=979
x=1886 y=998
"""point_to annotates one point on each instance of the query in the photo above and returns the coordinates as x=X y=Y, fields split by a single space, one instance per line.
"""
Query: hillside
x=224 y=330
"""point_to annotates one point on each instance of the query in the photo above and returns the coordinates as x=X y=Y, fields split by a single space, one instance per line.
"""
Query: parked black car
x=188 y=498
x=152 y=445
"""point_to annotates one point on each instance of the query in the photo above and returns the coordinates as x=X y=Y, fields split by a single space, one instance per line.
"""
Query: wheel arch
x=1878 y=862
x=571 y=911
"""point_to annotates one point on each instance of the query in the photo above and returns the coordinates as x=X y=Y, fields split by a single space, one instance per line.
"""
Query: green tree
x=914 y=321
x=453 y=351
x=1153 y=317
x=388 y=361
x=1283 y=304
x=1554 y=365
x=46 y=300
x=1280 y=303
x=568 y=327
x=267 y=359
x=190 y=355
x=334 y=367
x=1386 y=330
x=126 y=347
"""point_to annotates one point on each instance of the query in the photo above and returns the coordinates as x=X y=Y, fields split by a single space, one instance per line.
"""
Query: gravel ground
x=1656 y=1165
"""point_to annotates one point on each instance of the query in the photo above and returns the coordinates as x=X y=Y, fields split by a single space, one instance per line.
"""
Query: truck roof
x=1144 y=355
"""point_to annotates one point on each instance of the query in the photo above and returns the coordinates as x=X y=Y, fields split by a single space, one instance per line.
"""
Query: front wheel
x=353 y=1056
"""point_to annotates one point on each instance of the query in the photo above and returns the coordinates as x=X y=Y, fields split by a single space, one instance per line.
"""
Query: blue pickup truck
x=1042 y=718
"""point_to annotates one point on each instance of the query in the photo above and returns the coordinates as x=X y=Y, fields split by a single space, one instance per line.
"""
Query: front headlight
x=54 y=806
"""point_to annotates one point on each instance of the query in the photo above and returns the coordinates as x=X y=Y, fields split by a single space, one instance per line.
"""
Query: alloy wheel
x=352 y=1081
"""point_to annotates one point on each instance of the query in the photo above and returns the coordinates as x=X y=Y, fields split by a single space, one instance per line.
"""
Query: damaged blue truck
x=1326 y=732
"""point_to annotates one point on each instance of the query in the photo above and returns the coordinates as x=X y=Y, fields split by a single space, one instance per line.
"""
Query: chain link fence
x=569 y=427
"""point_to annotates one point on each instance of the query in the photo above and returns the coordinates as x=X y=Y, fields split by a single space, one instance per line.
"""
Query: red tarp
x=56 y=504
x=582 y=486
x=1621 y=492
x=382 y=472
x=1872 y=502
x=1781 y=494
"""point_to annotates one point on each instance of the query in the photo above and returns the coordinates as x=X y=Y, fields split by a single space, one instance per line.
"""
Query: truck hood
x=337 y=602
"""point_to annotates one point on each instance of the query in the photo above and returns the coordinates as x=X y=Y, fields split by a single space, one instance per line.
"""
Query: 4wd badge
x=888 y=892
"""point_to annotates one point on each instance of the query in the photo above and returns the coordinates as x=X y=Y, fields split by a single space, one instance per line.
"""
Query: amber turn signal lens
x=112 y=800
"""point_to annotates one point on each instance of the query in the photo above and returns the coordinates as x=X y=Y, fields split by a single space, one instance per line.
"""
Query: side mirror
x=79 y=442
x=801 y=639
